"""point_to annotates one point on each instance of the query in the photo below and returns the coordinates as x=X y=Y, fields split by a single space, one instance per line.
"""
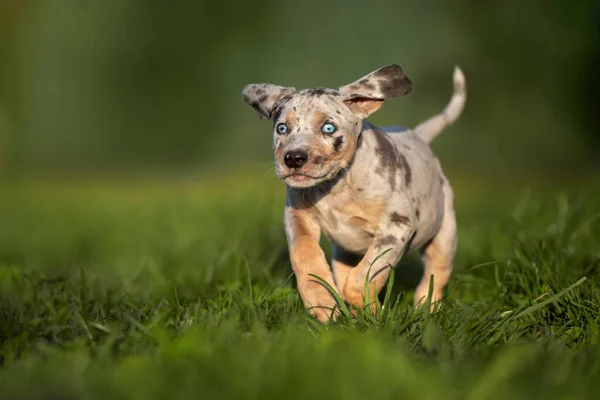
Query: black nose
x=295 y=158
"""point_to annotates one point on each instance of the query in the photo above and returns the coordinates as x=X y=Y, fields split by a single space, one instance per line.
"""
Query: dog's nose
x=295 y=158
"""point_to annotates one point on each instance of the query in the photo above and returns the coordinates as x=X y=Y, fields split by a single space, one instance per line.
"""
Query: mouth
x=297 y=177
x=300 y=179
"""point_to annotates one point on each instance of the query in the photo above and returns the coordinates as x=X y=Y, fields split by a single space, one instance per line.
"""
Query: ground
x=184 y=290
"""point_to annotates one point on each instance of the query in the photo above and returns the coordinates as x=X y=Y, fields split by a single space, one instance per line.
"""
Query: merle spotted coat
x=368 y=189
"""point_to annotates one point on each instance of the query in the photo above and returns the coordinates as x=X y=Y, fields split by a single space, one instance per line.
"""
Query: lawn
x=155 y=290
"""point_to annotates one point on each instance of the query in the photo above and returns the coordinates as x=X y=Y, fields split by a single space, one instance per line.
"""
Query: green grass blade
x=336 y=296
x=552 y=299
x=388 y=295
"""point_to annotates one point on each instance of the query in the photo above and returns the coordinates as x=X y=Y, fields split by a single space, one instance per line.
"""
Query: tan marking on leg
x=438 y=255
x=391 y=236
x=308 y=258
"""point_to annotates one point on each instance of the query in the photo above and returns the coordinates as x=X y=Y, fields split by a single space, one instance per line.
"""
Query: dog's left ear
x=264 y=97
x=367 y=94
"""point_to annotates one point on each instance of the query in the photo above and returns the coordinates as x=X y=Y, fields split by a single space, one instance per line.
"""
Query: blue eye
x=328 y=128
x=282 y=128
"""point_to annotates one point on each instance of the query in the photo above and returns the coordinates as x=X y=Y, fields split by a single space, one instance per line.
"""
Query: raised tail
x=431 y=127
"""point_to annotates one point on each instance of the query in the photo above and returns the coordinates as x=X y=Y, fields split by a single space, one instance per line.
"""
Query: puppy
x=372 y=191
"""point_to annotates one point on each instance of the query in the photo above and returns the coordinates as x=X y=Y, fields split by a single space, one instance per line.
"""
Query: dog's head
x=315 y=131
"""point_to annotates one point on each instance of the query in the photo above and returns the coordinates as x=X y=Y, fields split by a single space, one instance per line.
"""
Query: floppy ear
x=263 y=97
x=367 y=94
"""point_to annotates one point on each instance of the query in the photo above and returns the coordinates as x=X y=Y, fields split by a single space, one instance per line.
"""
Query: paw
x=318 y=300
x=354 y=294
x=421 y=297
x=325 y=314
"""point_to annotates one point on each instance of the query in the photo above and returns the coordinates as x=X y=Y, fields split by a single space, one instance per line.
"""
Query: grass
x=155 y=291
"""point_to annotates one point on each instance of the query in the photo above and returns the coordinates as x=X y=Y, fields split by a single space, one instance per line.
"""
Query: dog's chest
x=349 y=221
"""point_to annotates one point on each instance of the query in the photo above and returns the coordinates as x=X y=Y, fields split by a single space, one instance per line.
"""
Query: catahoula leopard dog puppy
x=367 y=189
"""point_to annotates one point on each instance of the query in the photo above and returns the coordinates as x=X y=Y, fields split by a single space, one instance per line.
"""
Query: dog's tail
x=430 y=128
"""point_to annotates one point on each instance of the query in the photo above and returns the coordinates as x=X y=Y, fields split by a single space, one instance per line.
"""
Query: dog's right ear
x=264 y=97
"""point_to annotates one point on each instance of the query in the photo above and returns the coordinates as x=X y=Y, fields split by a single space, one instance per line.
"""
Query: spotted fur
x=367 y=189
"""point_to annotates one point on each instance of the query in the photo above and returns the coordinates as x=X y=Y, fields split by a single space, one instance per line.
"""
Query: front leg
x=394 y=234
x=307 y=257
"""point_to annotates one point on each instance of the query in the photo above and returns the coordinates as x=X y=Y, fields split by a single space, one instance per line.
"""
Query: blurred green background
x=152 y=87
x=152 y=281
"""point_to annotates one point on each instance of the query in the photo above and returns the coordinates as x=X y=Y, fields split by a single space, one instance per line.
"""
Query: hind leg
x=438 y=254
x=342 y=263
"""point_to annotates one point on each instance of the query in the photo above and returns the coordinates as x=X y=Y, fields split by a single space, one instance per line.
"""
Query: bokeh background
x=150 y=88
x=142 y=249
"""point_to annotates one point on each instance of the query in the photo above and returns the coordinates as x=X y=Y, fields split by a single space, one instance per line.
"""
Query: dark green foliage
x=116 y=84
